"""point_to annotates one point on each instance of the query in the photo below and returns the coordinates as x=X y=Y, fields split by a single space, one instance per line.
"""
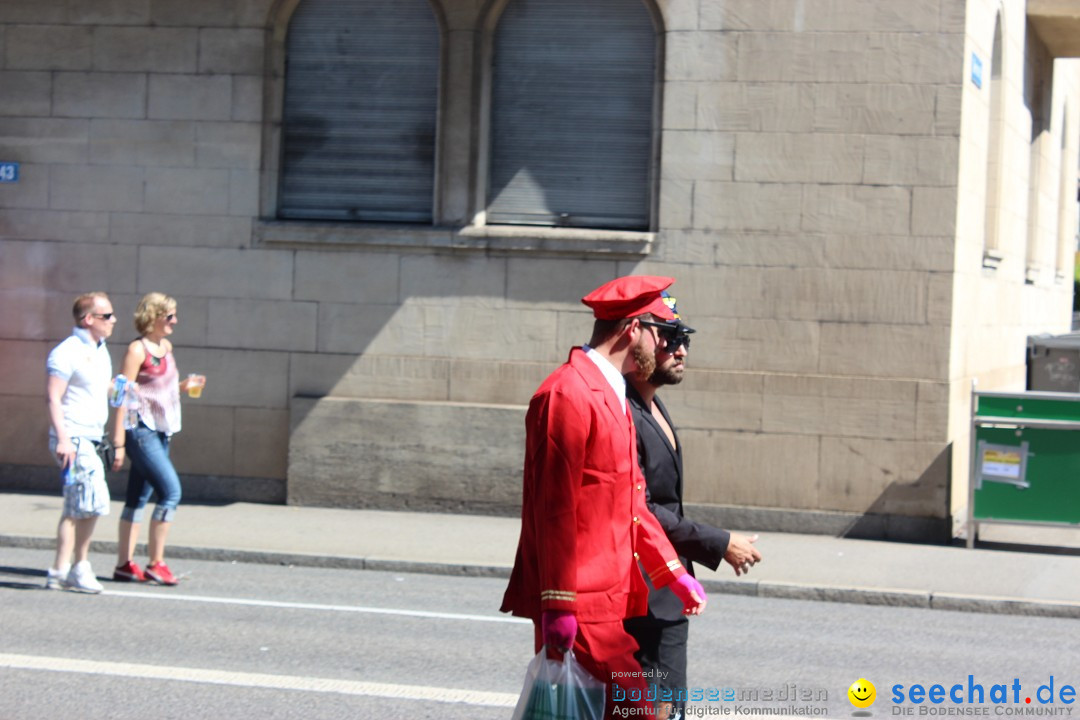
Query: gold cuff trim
x=562 y=595
x=671 y=566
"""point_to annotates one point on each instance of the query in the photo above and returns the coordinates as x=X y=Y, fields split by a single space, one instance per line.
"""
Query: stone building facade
x=867 y=205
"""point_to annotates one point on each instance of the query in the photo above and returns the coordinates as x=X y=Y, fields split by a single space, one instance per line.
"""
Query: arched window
x=572 y=111
x=359 y=115
x=991 y=246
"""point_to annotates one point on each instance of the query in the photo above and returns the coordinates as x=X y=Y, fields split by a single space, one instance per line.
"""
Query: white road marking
x=314 y=606
x=259 y=680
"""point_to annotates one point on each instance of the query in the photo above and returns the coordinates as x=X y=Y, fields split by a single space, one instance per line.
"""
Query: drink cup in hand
x=195 y=385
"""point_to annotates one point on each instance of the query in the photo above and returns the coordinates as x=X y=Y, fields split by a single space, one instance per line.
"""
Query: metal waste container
x=1053 y=363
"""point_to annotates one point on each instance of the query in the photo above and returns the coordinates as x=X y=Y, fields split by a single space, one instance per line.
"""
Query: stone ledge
x=502 y=238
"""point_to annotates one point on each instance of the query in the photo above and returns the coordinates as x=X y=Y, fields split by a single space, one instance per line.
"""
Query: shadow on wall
x=889 y=518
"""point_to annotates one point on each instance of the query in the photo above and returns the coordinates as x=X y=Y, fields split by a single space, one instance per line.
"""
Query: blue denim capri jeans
x=151 y=472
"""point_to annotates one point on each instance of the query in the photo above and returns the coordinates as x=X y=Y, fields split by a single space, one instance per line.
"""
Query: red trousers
x=606 y=650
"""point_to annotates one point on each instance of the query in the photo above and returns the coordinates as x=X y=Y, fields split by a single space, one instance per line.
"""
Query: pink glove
x=558 y=627
x=691 y=593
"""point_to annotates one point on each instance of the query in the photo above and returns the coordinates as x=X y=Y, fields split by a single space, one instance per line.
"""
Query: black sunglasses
x=672 y=335
x=103 y=316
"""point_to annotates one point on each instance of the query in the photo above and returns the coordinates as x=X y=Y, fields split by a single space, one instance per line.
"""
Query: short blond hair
x=152 y=306
x=84 y=304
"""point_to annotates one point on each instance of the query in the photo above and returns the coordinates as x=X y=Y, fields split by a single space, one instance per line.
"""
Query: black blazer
x=663 y=469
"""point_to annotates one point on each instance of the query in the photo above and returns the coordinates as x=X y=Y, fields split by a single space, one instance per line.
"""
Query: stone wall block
x=190 y=230
x=892 y=160
x=244 y=193
x=853 y=409
x=917 y=58
x=146 y=49
x=901 y=252
x=933 y=211
x=764 y=345
x=769 y=207
x=263 y=325
x=71 y=268
x=247 y=98
x=708 y=399
x=728 y=292
x=549 y=284
x=190 y=97
x=680 y=14
x=502 y=383
x=905 y=351
x=216 y=273
x=758 y=107
x=24 y=428
x=261 y=443
x=889 y=109
x=680 y=105
x=237 y=378
x=740 y=468
x=228 y=145
x=884 y=476
x=391 y=377
x=26 y=94
x=37 y=314
x=102 y=95
x=54 y=225
x=857 y=208
x=375 y=328
x=368 y=278
x=194 y=13
x=142 y=142
x=697 y=155
x=775 y=157
x=875 y=296
x=701 y=56
x=110 y=12
x=48 y=47
x=231 y=51
x=457 y=279
x=205 y=444
x=96 y=187
x=414 y=453
x=779 y=15
x=947 y=111
x=44 y=140
x=24 y=368
x=190 y=191
x=677 y=207
x=932 y=412
x=770 y=250
x=32 y=190
x=777 y=57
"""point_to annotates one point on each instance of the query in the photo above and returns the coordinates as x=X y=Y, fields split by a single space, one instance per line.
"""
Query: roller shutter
x=361 y=91
x=572 y=114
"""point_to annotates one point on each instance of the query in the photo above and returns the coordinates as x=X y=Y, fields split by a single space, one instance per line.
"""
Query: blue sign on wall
x=976 y=70
x=9 y=172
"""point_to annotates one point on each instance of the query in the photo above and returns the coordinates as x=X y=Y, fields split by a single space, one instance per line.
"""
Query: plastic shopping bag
x=559 y=690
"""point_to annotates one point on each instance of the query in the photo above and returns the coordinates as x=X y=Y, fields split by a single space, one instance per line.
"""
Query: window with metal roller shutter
x=572 y=103
x=359 y=116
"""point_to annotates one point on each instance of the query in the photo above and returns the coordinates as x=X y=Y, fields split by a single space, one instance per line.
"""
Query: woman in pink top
x=150 y=364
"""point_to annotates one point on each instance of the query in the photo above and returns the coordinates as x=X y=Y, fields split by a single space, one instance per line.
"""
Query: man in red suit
x=584 y=522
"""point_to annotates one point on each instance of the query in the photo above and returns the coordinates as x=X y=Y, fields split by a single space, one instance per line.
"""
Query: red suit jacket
x=584 y=522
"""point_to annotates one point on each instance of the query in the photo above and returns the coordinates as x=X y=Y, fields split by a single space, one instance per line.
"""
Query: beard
x=668 y=374
x=646 y=361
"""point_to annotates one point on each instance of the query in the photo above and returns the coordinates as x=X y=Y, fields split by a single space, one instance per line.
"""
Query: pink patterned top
x=159 y=393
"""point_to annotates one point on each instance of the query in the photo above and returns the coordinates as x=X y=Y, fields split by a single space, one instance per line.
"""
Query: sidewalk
x=1018 y=580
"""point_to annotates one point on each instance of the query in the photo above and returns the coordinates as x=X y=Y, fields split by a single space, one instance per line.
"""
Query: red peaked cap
x=629 y=296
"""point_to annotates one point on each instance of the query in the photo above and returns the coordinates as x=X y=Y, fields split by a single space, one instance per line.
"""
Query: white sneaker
x=54 y=579
x=81 y=579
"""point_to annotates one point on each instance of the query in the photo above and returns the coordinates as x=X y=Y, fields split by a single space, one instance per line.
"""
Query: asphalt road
x=258 y=641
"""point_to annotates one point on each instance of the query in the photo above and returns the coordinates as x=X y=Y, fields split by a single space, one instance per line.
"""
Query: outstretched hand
x=741 y=553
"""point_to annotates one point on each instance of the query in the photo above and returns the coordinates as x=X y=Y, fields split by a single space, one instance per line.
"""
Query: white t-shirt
x=87 y=368
x=611 y=374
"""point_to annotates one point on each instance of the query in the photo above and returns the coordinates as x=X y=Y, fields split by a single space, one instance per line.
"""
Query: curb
x=888 y=597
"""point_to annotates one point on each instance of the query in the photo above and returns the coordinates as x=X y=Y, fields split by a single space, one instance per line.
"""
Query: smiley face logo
x=862 y=693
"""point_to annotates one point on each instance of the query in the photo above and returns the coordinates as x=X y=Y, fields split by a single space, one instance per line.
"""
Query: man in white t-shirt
x=79 y=377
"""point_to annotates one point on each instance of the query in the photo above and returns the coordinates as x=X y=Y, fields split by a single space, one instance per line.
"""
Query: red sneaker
x=159 y=572
x=128 y=572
